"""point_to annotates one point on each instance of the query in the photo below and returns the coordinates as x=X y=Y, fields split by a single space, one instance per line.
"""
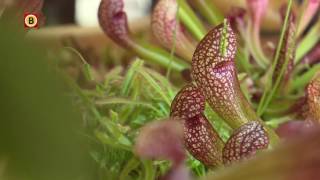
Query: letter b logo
x=31 y=21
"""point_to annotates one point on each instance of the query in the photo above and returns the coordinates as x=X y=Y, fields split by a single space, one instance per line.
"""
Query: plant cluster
x=272 y=85
x=236 y=97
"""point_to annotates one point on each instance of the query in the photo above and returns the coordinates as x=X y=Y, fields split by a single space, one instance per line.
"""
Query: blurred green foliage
x=41 y=133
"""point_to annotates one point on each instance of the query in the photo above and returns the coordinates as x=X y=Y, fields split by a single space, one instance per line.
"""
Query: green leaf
x=282 y=57
x=88 y=72
x=308 y=42
x=130 y=76
x=208 y=9
x=190 y=20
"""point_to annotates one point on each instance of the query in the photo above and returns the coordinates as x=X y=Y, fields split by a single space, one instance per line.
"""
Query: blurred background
x=34 y=104
x=84 y=12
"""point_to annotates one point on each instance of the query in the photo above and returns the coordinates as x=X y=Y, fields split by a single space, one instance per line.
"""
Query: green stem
x=91 y=106
x=304 y=79
x=308 y=42
x=243 y=61
x=131 y=165
x=149 y=170
x=258 y=49
x=255 y=46
x=277 y=121
x=159 y=56
x=209 y=11
x=131 y=76
x=155 y=86
x=190 y=20
x=86 y=101
x=273 y=137
x=267 y=97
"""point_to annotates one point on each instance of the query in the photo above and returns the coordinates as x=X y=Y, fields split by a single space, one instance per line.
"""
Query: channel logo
x=31 y=21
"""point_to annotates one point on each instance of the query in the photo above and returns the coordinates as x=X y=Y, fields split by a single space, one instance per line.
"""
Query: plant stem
x=159 y=56
x=131 y=165
x=273 y=137
x=131 y=76
x=209 y=11
x=255 y=46
x=149 y=171
x=305 y=78
x=243 y=60
x=190 y=20
x=270 y=87
x=308 y=42
x=86 y=101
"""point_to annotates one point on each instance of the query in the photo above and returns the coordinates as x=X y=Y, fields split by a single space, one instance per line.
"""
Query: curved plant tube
x=113 y=21
x=214 y=71
x=311 y=8
x=163 y=140
x=245 y=142
x=313 y=100
x=169 y=31
x=199 y=136
x=257 y=9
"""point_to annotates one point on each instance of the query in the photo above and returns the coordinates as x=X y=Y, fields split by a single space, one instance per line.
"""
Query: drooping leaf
x=257 y=9
x=313 y=99
x=113 y=21
x=213 y=69
x=236 y=18
x=293 y=129
x=167 y=29
x=245 y=142
x=297 y=159
x=202 y=141
x=200 y=138
x=161 y=140
x=188 y=103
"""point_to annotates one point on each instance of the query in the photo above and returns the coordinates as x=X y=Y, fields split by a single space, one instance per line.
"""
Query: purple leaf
x=257 y=9
x=313 y=99
x=216 y=76
x=113 y=21
x=245 y=142
x=296 y=159
x=292 y=129
x=177 y=173
x=188 y=103
x=161 y=140
x=236 y=18
x=167 y=29
x=164 y=140
x=199 y=136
